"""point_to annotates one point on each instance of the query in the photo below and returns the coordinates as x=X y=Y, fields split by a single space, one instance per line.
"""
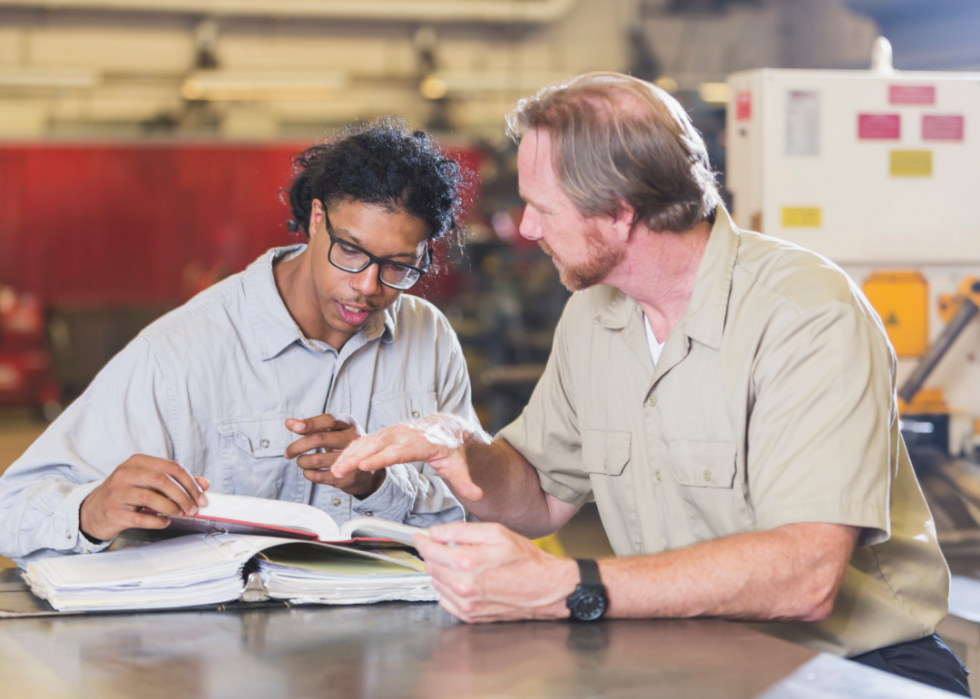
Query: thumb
x=455 y=470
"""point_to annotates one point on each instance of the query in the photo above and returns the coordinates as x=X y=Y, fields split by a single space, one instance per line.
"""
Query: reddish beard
x=602 y=259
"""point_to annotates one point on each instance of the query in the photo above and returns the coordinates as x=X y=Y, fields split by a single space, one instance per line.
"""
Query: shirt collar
x=383 y=324
x=704 y=319
x=616 y=313
x=274 y=328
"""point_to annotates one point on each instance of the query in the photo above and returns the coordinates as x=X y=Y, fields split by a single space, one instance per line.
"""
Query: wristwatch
x=588 y=602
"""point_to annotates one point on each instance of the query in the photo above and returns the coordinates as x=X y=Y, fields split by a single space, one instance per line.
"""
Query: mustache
x=546 y=248
x=359 y=302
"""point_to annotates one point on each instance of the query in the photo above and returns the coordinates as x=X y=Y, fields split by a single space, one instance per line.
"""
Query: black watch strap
x=588 y=602
x=589 y=571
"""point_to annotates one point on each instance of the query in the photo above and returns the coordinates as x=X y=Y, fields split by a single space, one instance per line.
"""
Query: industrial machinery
x=875 y=170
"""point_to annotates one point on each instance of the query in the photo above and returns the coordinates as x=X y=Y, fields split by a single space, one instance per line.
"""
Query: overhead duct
x=492 y=11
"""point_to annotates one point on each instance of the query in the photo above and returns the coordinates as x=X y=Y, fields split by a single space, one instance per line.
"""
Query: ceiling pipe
x=492 y=11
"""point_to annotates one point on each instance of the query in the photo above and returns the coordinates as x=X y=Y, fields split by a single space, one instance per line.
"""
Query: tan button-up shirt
x=773 y=402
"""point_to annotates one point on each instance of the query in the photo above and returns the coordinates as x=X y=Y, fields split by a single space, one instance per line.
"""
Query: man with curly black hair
x=291 y=359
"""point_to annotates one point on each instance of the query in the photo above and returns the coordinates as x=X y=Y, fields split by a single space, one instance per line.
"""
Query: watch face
x=589 y=606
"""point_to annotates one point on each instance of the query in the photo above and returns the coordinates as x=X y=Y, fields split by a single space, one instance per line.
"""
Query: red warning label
x=937 y=127
x=743 y=105
x=880 y=126
x=912 y=94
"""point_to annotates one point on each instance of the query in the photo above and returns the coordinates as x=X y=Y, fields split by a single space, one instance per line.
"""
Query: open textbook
x=221 y=565
x=240 y=514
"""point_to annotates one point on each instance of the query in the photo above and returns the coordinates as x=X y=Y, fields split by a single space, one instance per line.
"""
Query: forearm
x=790 y=573
x=512 y=493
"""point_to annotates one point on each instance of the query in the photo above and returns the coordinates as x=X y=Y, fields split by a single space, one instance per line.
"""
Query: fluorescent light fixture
x=498 y=81
x=227 y=85
x=433 y=88
x=715 y=93
x=37 y=77
x=667 y=83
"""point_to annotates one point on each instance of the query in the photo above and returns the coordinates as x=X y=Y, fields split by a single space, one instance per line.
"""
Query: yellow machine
x=951 y=482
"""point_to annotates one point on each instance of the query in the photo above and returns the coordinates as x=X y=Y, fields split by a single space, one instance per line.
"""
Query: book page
x=375 y=528
x=277 y=513
x=333 y=562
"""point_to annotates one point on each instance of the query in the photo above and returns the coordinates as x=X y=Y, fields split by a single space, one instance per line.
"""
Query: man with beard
x=727 y=399
x=315 y=340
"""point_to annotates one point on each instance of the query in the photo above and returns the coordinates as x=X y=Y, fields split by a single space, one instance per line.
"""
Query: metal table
x=399 y=650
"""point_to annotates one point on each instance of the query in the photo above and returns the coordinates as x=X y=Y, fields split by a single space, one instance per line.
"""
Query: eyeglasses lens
x=398 y=277
x=352 y=260
x=348 y=259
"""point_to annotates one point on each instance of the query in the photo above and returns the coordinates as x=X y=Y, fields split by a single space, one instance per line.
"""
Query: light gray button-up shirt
x=210 y=385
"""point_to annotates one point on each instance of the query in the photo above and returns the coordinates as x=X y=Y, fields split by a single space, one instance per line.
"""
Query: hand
x=493 y=574
x=141 y=481
x=333 y=433
x=439 y=440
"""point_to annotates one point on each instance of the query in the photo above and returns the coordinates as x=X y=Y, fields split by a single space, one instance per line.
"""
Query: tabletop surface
x=396 y=650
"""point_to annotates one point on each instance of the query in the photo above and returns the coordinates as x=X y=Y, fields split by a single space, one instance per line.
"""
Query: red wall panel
x=112 y=225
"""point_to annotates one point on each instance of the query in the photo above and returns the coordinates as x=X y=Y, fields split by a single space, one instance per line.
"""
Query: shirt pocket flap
x=604 y=452
x=260 y=437
x=703 y=464
x=396 y=408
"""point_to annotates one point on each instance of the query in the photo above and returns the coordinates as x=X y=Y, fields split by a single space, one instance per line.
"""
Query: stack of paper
x=208 y=569
x=306 y=575
x=188 y=571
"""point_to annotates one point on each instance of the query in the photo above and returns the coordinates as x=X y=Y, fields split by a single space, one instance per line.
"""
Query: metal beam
x=434 y=11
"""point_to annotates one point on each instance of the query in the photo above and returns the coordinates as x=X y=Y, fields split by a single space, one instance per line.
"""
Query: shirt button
x=652 y=401
x=68 y=533
x=264 y=444
x=369 y=514
x=335 y=502
x=416 y=414
x=658 y=474
x=707 y=475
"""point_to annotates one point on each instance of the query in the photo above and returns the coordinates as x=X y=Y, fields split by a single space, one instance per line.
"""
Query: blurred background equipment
x=875 y=170
x=26 y=374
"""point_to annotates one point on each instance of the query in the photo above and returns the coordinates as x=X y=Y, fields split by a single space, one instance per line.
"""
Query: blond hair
x=617 y=139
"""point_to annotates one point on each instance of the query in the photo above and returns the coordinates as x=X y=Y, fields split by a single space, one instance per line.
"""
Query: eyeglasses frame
x=374 y=259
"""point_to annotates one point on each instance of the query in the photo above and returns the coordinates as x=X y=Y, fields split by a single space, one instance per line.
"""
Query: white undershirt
x=656 y=348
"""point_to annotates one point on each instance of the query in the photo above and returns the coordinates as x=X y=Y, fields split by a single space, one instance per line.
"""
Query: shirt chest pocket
x=253 y=455
x=605 y=453
x=703 y=464
x=605 y=457
x=711 y=497
x=396 y=408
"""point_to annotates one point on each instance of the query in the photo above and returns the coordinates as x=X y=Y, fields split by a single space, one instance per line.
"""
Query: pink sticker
x=942 y=128
x=911 y=94
x=743 y=105
x=880 y=126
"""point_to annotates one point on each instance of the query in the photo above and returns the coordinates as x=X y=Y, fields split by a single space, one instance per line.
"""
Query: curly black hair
x=381 y=163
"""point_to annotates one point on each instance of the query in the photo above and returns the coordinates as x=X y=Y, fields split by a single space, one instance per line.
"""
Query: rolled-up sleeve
x=124 y=412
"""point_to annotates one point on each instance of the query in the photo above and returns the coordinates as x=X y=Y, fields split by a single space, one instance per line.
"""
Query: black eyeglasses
x=351 y=258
